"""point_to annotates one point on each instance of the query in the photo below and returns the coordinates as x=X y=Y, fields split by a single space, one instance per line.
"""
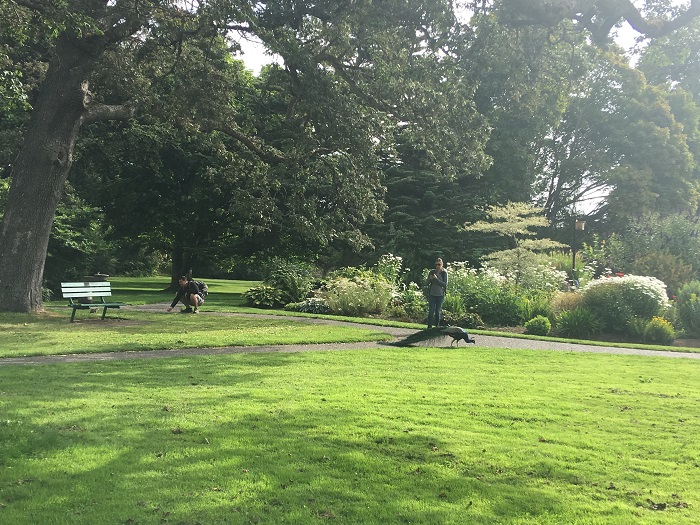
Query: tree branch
x=599 y=16
x=96 y=112
x=264 y=152
x=35 y=5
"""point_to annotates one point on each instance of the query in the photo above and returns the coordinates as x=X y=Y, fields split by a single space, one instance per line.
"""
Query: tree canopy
x=386 y=126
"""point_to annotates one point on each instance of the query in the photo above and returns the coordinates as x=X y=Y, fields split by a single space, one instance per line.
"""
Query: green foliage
x=688 y=307
x=424 y=214
x=312 y=305
x=470 y=320
x=565 y=301
x=523 y=263
x=665 y=247
x=540 y=304
x=514 y=220
x=539 y=325
x=669 y=268
x=390 y=267
x=617 y=300
x=292 y=277
x=409 y=302
x=579 y=323
x=659 y=330
x=264 y=296
x=453 y=303
x=77 y=246
x=503 y=309
x=486 y=293
x=357 y=296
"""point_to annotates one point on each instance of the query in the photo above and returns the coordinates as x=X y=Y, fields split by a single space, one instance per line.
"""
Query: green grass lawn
x=381 y=436
x=23 y=335
x=385 y=436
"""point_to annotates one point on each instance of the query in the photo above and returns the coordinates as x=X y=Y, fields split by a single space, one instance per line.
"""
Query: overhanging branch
x=264 y=152
x=96 y=112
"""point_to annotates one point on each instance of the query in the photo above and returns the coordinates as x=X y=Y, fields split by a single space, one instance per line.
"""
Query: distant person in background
x=437 y=287
x=189 y=295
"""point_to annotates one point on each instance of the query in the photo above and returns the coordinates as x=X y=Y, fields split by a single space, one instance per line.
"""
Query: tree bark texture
x=39 y=174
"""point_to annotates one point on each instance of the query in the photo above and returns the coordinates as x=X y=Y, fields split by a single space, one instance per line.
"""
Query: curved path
x=481 y=341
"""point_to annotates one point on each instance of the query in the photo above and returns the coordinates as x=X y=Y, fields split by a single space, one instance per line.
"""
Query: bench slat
x=89 y=284
x=86 y=293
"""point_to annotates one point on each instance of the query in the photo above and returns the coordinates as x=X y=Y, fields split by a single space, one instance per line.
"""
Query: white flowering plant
x=617 y=300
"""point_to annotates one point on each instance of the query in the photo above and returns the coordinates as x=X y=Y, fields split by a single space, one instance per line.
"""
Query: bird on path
x=455 y=332
x=458 y=334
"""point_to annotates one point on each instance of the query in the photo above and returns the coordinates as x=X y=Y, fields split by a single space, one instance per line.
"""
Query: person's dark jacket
x=437 y=286
x=190 y=288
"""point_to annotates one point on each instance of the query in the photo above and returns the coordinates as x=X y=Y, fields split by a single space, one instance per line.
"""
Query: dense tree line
x=136 y=135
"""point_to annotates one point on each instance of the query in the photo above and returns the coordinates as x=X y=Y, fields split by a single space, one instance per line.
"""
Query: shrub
x=294 y=278
x=409 y=303
x=539 y=325
x=264 y=296
x=616 y=300
x=565 y=302
x=486 y=293
x=670 y=268
x=471 y=320
x=579 y=323
x=389 y=267
x=540 y=304
x=635 y=329
x=454 y=304
x=688 y=307
x=468 y=320
x=659 y=330
x=312 y=305
x=357 y=296
x=502 y=309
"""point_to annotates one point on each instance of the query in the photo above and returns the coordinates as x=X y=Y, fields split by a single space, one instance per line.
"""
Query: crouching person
x=189 y=295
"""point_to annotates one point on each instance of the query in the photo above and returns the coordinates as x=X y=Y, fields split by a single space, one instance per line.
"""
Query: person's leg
x=438 y=309
x=186 y=300
x=197 y=301
x=431 y=309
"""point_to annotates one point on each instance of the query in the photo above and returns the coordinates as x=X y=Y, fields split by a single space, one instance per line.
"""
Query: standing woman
x=437 y=287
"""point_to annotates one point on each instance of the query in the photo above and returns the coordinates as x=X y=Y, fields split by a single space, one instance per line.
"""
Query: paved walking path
x=482 y=341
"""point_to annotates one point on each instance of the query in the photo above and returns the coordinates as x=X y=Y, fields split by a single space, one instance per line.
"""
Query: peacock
x=455 y=332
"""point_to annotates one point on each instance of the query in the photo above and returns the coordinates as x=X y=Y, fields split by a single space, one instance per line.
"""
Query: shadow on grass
x=171 y=443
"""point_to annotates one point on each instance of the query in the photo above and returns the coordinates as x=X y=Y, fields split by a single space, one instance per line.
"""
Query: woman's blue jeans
x=435 y=309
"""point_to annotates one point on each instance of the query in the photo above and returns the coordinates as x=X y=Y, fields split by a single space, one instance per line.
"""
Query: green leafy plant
x=539 y=304
x=358 y=296
x=539 y=325
x=312 y=305
x=659 y=330
x=579 y=323
x=294 y=278
x=688 y=307
x=389 y=267
x=264 y=296
x=487 y=293
x=453 y=303
x=616 y=300
x=564 y=301
x=470 y=320
x=409 y=302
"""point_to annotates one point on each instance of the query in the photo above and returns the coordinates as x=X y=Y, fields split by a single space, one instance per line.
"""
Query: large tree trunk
x=39 y=174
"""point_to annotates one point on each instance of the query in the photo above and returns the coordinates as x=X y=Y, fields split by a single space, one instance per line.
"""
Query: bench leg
x=104 y=311
x=72 y=315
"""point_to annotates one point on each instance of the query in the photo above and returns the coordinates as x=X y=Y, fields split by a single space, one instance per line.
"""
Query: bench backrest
x=86 y=289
